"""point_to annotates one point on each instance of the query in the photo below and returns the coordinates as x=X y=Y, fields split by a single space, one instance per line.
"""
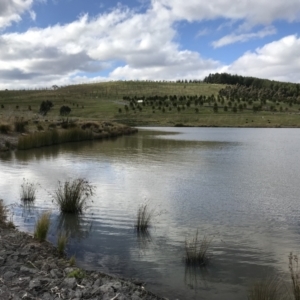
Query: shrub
x=65 y=110
x=42 y=227
x=45 y=107
x=196 y=250
x=143 y=218
x=20 y=126
x=72 y=196
x=4 y=128
x=28 y=191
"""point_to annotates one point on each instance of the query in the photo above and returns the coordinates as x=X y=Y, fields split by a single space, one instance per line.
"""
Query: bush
x=72 y=196
x=64 y=110
x=20 y=126
x=42 y=227
x=4 y=128
x=45 y=107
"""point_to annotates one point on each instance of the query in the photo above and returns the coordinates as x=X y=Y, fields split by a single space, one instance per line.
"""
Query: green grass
x=42 y=227
x=28 y=191
x=72 y=196
x=143 y=219
x=196 y=250
x=77 y=273
x=103 y=101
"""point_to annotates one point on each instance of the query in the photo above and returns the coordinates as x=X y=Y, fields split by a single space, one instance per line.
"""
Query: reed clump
x=3 y=213
x=62 y=240
x=196 y=250
x=72 y=196
x=144 y=216
x=28 y=191
x=295 y=275
x=268 y=289
x=41 y=227
x=53 y=137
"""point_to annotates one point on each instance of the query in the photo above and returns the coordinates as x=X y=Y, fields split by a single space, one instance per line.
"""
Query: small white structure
x=140 y=101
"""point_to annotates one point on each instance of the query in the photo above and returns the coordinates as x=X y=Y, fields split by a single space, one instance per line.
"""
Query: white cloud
x=254 y=11
x=11 y=11
x=278 y=60
x=244 y=37
x=144 y=43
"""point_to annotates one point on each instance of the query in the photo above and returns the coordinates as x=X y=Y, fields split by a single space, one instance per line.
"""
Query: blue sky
x=47 y=42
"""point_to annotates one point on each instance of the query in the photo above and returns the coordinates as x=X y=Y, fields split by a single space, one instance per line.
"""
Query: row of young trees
x=252 y=86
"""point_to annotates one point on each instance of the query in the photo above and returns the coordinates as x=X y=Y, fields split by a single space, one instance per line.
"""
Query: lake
x=238 y=186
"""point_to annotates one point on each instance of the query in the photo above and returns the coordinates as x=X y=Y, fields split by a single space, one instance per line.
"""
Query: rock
x=69 y=283
x=34 y=271
x=8 y=275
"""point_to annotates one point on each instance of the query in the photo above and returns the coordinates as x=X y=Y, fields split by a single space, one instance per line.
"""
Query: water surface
x=239 y=186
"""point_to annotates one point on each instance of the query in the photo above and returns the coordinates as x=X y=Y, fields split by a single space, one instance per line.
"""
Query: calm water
x=240 y=186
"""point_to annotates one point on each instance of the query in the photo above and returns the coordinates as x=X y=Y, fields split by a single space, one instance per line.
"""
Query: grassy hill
x=164 y=104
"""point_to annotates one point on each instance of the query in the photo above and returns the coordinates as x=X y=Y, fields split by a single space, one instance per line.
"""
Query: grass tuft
x=42 y=227
x=62 y=240
x=143 y=218
x=3 y=213
x=72 y=260
x=295 y=275
x=77 y=273
x=28 y=191
x=197 y=250
x=72 y=196
x=270 y=289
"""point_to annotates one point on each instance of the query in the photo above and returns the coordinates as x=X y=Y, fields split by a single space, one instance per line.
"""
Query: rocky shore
x=31 y=270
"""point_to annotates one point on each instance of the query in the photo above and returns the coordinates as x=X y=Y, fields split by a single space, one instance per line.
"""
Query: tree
x=45 y=107
x=64 y=110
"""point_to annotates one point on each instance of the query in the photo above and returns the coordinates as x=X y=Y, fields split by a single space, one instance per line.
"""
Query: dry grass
x=72 y=196
x=42 y=227
x=196 y=251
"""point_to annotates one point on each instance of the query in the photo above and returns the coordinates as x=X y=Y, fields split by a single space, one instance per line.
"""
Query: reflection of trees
x=195 y=277
x=73 y=225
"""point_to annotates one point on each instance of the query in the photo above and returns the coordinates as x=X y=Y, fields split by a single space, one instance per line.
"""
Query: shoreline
x=34 y=270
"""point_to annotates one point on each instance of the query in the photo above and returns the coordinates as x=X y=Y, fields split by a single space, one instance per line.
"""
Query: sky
x=62 y=42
